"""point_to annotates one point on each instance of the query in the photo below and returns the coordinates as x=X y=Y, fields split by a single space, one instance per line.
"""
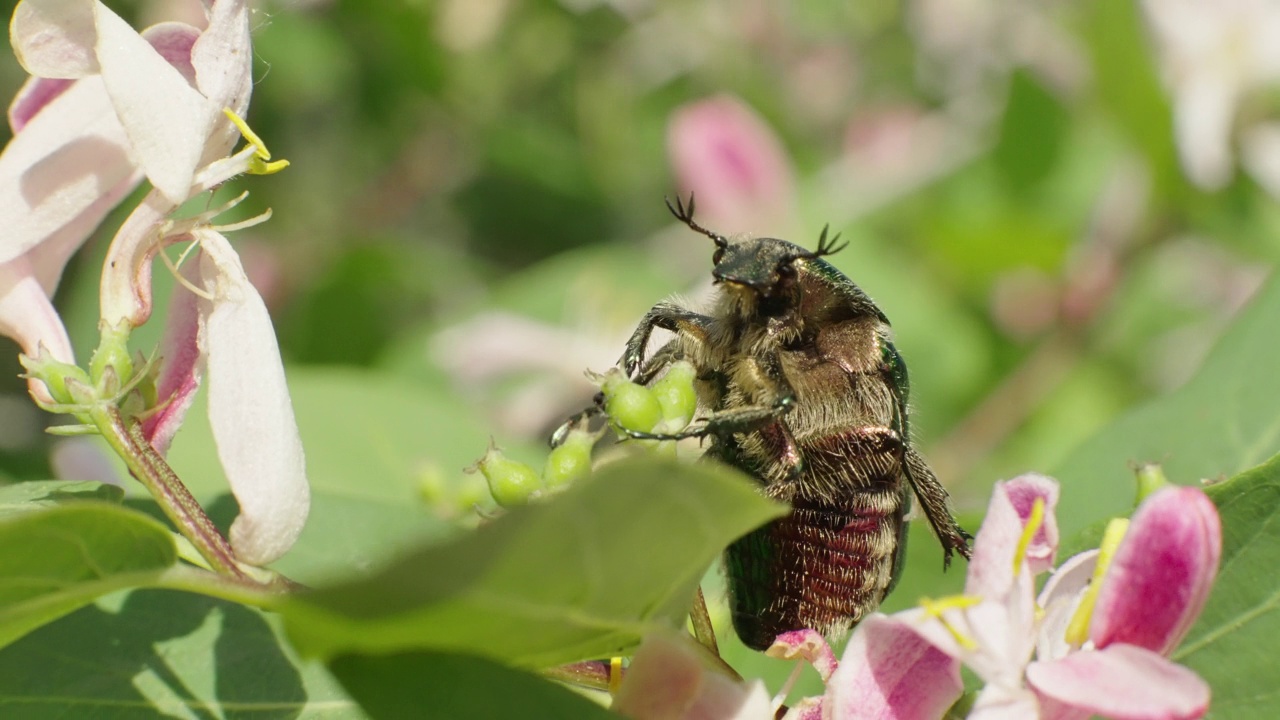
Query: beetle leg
x=562 y=432
x=935 y=503
x=667 y=316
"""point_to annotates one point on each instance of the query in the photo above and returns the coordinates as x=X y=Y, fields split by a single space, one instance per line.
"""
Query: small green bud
x=1150 y=479
x=111 y=366
x=629 y=405
x=676 y=395
x=511 y=482
x=67 y=384
x=570 y=460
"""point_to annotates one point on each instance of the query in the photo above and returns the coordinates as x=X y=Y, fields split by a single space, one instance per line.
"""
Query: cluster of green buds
x=114 y=378
x=665 y=407
x=513 y=483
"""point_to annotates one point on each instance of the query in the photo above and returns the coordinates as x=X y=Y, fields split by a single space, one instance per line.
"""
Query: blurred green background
x=474 y=210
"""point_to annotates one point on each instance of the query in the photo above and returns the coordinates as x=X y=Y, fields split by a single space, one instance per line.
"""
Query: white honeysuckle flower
x=1213 y=55
x=165 y=104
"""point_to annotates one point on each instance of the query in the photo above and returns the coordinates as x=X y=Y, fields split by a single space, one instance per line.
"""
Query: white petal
x=1204 y=108
x=1060 y=598
x=55 y=38
x=1260 y=154
x=997 y=702
x=223 y=61
x=168 y=122
x=250 y=410
x=69 y=157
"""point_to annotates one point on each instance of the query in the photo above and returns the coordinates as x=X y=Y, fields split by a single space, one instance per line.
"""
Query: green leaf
x=584 y=575
x=152 y=653
x=25 y=496
x=1032 y=131
x=1233 y=644
x=61 y=558
x=456 y=687
x=1220 y=423
x=369 y=441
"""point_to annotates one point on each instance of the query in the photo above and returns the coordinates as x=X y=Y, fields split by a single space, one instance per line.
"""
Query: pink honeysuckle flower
x=734 y=163
x=1065 y=654
x=168 y=103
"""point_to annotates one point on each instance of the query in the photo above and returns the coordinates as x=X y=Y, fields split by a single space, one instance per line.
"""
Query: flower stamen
x=1078 y=629
x=935 y=609
x=615 y=674
x=258 y=164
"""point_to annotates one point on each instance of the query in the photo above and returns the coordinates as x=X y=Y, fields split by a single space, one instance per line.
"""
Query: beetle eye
x=718 y=256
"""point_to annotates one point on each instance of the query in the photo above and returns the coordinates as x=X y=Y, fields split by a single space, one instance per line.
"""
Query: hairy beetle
x=803 y=390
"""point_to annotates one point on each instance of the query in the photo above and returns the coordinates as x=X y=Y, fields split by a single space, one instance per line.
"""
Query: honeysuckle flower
x=1092 y=643
x=1214 y=55
x=726 y=154
x=169 y=102
x=667 y=679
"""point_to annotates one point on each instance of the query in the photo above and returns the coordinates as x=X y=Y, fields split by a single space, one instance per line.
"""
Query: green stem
x=195 y=580
x=701 y=621
x=592 y=674
x=128 y=441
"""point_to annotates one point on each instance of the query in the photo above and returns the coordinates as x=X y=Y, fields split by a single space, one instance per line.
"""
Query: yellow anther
x=258 y=167
x=258 y=164
x=1078 y=629
x=1034 y=521
x=615 y=674
x=935 y=608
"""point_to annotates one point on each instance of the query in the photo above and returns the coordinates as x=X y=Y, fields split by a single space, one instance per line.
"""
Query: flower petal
x=668 y=680
x=32 y=97
x=1162 y=572
x=805 y=645
x=70 y=158
x=1123 y=682
x=888 y=672
x=1061 y=596
x=182 y=369
x=223 y=62
x=55 y=38
x=1000 y=702
x=168 y=122
x=991 y=568
x=249 y=408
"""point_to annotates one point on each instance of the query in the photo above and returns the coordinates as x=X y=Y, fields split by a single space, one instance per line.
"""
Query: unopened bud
x=511 y=482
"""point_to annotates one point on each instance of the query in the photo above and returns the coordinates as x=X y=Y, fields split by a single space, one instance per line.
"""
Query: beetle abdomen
x=822 y=567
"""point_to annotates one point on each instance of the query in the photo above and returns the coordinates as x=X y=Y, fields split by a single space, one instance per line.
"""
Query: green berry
x=511 y=482
x=570 y=460
x=630 y=406
x=676 y=395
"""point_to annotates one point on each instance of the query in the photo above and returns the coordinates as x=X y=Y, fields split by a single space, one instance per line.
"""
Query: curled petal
x=32 y=97
x=55 y=38
x=991 y=570
x=888 y=672
x=181 y=367
x=732 y=160
x=61 y=167
x=1162 y=572
x=249 y=408
x=805 y=645
x=168 y=122
x=668 y=680
x=1122 y=682
x=221 y=59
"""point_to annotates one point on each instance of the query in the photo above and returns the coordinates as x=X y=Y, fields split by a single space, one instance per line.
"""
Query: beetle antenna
x=829 y=247
x=684 y=213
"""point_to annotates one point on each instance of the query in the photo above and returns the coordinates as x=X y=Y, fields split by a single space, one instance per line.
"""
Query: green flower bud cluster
x=665 y=407
x=513 y=483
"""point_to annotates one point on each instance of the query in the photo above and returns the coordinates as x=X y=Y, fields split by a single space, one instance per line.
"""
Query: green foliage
x=454 y=686
x=584 y=575
x=60 y=558
x=1220 y=423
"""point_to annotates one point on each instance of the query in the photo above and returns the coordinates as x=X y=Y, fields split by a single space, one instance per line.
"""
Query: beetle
x=805 y=392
